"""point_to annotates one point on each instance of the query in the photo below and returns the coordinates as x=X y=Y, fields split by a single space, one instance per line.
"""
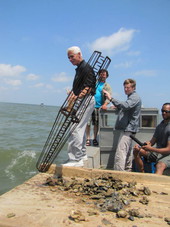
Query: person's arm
x=107 y=94
x=85 y=91
x=132 y=101
x=107 y=88
x=72 y=97
x=139 y=148
x=164 y=150
x=104 y=106
x=89 y=81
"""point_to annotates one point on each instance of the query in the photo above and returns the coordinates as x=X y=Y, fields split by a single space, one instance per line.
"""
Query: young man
x=161 y=138
x=101 y=102
x=127 y=123
x=84 y=82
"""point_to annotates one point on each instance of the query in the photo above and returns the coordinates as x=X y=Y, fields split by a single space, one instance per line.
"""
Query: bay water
x=24 y=129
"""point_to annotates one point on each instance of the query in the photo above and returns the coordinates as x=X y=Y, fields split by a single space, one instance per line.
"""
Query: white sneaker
x=73 y=163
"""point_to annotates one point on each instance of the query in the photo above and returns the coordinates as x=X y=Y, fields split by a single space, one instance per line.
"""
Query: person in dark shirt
x=83 y=84
x=161 y=138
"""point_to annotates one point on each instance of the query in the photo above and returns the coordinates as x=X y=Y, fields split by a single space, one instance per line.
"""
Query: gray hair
x=74 y=49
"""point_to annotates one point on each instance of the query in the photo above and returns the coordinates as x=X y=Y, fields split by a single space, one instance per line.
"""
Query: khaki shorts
x=165 y=159
x=155 y=157
x=152 y=156
x=94 y=117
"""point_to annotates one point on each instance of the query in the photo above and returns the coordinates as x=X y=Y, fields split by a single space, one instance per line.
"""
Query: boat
x=34 y=203
x=103 y=156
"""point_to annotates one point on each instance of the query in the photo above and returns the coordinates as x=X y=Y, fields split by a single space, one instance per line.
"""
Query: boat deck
x=33 y=204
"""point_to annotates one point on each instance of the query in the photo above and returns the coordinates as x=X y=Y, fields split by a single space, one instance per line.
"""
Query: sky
x=35 y=35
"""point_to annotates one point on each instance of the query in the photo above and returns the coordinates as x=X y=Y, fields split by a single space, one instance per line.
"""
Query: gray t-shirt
x=162 y=134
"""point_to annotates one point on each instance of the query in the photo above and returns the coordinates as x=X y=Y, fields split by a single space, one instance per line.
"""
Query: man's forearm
x=85 y=91
x=163 y=151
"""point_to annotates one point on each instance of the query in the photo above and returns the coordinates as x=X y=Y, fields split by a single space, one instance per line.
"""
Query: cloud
x=117 y=42
x=32 y=76
x=148 y=73
x=133 y=53
x=48 y=86
x=3 y=89
x=9 y=70
x=61 y=77
x=13 y=82
x=123 y=65
x=39 y=85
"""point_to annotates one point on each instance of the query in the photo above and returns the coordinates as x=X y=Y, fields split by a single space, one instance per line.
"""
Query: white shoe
x=73 y=163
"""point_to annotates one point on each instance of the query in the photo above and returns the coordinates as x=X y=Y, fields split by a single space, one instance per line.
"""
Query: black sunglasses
x=165 y=111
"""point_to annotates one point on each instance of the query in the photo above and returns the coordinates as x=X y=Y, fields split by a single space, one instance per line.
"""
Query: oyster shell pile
x=108 y=194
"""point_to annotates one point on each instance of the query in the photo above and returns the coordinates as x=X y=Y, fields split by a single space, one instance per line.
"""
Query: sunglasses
x=165 y=111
